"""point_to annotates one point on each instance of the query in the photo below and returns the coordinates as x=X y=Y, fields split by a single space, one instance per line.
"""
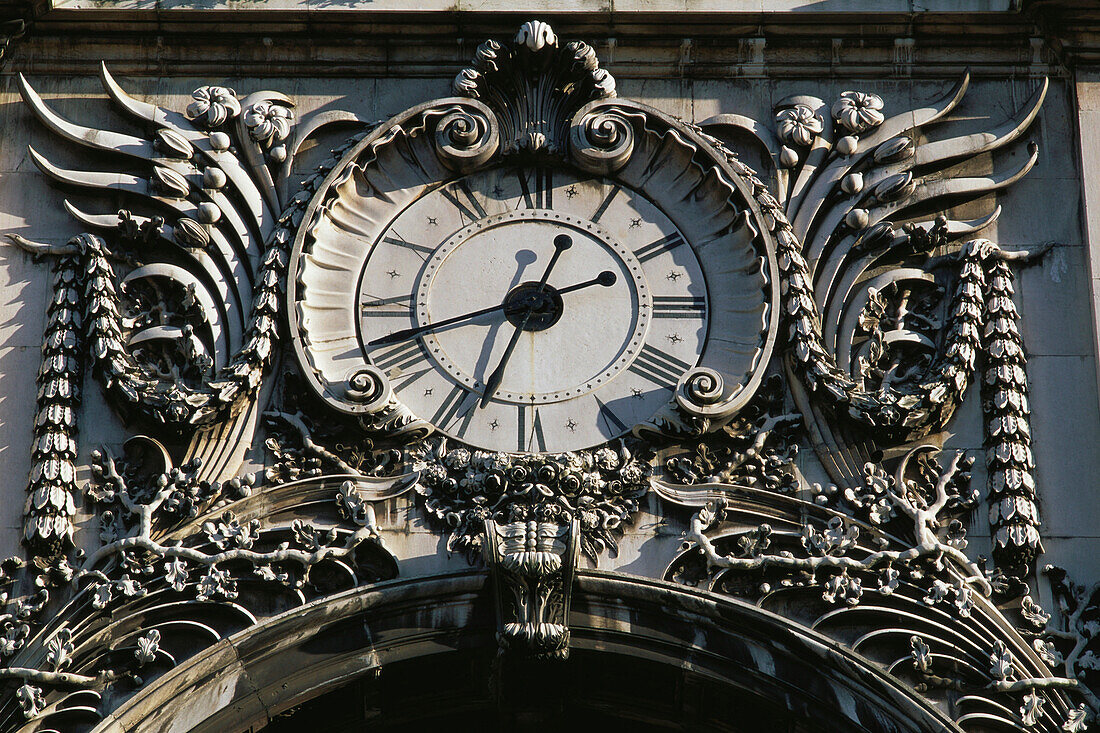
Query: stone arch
x=249 y=678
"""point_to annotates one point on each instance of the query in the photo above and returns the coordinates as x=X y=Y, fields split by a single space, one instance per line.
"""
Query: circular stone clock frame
x=682 y=174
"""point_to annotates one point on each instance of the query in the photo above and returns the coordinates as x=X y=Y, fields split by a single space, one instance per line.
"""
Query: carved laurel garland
x=48 y=525
x=1013 y=514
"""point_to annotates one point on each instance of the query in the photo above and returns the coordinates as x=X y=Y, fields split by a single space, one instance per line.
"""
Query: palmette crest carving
x=855 y=316
x=534 y=85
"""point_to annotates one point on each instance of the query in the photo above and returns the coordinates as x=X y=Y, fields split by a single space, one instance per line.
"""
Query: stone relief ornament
x=649 y=316
x=532 y=557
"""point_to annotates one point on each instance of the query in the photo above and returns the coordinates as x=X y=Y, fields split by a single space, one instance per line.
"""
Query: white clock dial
x=569 y=363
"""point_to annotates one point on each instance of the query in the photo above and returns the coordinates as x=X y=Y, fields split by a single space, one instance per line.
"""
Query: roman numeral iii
x=662 y=245
x=674 y=306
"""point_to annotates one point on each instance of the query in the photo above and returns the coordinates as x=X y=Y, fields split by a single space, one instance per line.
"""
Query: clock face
x=532 y=310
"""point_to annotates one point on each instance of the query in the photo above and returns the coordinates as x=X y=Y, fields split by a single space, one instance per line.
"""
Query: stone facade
x=834 y=470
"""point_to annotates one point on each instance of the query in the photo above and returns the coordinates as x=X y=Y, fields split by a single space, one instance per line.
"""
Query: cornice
x=644 y=40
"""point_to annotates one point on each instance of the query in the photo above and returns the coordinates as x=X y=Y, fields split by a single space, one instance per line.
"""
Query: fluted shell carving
x=534 y=85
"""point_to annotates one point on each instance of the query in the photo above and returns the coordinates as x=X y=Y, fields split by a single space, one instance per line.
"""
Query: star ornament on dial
x=533 y=310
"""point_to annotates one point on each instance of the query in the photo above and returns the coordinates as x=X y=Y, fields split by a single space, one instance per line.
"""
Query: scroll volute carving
x=532 y=559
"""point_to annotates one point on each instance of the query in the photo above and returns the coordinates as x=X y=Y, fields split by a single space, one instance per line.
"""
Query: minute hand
x=604 y=278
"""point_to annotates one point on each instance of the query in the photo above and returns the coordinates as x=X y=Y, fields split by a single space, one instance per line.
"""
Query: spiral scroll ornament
x=370 y=387
x=699 y=391
x=467 y=137
x=601 y=140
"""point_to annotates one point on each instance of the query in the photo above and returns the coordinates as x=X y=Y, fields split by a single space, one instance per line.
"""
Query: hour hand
x=409 y=333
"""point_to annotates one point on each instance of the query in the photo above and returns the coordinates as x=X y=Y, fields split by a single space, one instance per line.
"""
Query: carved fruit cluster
x=462 y=488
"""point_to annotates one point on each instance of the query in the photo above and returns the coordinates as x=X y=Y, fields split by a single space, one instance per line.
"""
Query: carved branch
x=813 y=564
x=297 y=422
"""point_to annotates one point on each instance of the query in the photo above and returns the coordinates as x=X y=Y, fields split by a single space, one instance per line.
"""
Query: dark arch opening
x=467 y=691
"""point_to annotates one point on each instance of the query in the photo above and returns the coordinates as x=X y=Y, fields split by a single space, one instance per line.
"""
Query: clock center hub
x=531 y=306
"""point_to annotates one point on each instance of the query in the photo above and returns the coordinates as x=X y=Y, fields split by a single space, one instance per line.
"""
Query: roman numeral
x=412 y=378
x=458 y=403
x=606 y=202
x=671 y=306
x=541 y=196
x=400 y=356
x=399 y=241
x=537 y=437
x=610 y=419
x=374 y=307
x=658 y=367
x=664 y=244
x=468 y=207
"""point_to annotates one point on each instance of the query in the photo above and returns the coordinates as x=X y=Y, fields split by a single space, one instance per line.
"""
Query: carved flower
x=309 y=537
x=956 y=535
x=268 y=123
x=1033 y=612
x=213 y=106
x=798 y=125
x=1000 y=661
x=858 y=111
x=590 y=519
x=1076 y=719
x=269 y=574
x=592 y=482
x=964 y=599
x=888 y=580
x=351 y=506
x=607 y=459
x=937 y=593
x=102 y=596
x=457 y=459
x=13 y=639
x=433 y=474
x=493 y=462
x=1048 y=652
x=633 y=473
x=216 y=583
x=569 y=483
x=231 y=533
x=843 y=587
x=30 y=699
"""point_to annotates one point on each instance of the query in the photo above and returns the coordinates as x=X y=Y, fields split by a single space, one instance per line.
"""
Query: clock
x=527 y=304
x=589 y=306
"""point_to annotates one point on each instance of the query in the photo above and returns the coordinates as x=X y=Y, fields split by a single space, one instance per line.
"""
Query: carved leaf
x=1031 y=709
